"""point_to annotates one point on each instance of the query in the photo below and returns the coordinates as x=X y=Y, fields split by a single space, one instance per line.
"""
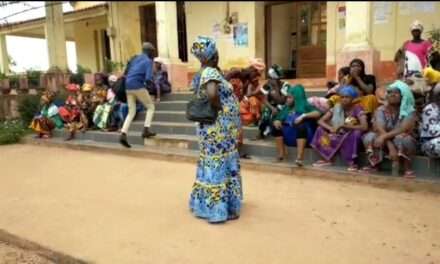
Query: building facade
x=310 y=40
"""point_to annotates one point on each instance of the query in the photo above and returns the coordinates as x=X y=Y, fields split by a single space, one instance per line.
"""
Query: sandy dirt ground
x=10 y=254
x=106 y=208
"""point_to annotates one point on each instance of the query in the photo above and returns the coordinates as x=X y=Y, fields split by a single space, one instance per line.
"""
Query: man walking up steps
x=139 y=75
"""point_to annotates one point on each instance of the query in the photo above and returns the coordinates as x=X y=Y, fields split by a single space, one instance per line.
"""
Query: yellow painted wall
x=85 y=41
x=335 y=34
x=85 y=4
x=386 y=37
x=200 y=18
x=282 y=25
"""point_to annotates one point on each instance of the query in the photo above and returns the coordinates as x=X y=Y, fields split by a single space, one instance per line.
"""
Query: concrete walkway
x=106 y=208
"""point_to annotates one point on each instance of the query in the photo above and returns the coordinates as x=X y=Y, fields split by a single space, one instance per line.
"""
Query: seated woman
x=103 y=110
x=393 y=126
x=340 y=130
x=323 y=104
x=430 y=128
x=294 y=124
x=250 y=106
x=71 y=112
x=48 y=118
x=161 y=85
x=275 y=92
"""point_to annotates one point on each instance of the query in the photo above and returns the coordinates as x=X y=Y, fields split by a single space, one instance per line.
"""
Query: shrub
x=12 y=131
x=112 y=66
x=14 y=81
x=78 y=77
x=28 y=106
x=33 y=77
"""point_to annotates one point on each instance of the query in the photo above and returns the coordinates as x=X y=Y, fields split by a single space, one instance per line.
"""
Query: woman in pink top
x=416 y=51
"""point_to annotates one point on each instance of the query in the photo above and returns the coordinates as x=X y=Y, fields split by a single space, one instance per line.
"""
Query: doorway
x=147 y=15
x=296 y=38
x=181 y=31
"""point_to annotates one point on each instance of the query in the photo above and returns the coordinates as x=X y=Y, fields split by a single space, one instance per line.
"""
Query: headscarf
x=416 y=25
x=72 y=87
x=275 y=72
x=298 y=93
x=338 y=117
x=258 y=64
x=112 y=78
x=87 y=87
x=407 y=101
x=204 y=48
x=49 y=96
x=348 y=90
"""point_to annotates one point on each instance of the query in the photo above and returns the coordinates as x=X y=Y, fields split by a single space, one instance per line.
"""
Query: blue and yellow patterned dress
x=216 y=194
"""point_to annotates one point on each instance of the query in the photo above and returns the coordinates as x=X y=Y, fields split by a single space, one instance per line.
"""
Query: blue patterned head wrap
x=348 y=90
x=204 y=48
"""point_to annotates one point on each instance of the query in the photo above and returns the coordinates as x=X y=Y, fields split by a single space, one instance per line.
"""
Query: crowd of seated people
x=353 y=116
x=90 y=106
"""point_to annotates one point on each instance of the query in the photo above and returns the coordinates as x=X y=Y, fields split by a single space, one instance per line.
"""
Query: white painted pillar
x=55 y=37
x=4 y=59
x=357 y=26
x=167 y=36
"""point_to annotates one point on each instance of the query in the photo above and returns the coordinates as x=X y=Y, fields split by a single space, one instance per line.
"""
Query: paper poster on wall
x=407 y=8
x=216 y=30
x=424 y=7
x=341 y=17
x=382 y=12
x=240 y=33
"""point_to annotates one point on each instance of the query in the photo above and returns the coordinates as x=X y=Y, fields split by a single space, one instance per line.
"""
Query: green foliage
x=2 y=76
x=78 y=77
x=28 y=106
x=14 y=81
x=112 y=66
x=12 y=131
x=33 y=77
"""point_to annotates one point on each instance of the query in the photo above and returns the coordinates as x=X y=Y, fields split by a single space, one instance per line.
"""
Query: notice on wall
x=407 y=8
x=341 y=17
x=382 y=12
x=216 y=30
x=424 y=7
x=240 y=34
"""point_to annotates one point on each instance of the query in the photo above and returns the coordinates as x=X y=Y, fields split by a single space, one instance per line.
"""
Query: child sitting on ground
x=48 y=118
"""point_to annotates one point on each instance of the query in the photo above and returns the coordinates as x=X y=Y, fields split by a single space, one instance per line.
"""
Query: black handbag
x=119 y=90
x=199 y=109
x=119 y=86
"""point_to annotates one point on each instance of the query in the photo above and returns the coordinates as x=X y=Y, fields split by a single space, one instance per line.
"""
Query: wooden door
x=148 y=25
x=312 y=22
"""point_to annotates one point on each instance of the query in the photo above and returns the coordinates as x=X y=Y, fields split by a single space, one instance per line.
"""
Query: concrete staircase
x=176 y=132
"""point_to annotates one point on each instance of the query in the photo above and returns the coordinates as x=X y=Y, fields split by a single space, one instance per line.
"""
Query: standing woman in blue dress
x=216 y=194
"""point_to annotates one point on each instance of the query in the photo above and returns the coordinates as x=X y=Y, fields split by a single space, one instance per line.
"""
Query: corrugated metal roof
x=42 y=18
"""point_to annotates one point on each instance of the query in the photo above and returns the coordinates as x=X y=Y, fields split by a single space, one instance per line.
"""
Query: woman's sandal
x=279 y=159
x=353 y=168
x=245 y=156
x=299 y=163
x=409 y=174
x=322 y=163
x=369 y=169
